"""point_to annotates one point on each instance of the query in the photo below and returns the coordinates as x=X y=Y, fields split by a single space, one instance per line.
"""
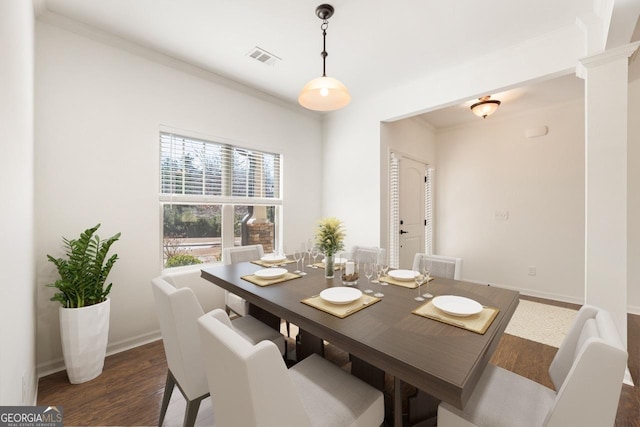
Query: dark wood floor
x=129 y=391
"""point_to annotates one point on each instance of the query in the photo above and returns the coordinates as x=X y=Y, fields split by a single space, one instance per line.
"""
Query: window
x=215 y=195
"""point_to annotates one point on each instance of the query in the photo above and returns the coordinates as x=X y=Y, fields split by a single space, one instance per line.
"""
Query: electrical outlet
x=532 y=271
x=501 y=215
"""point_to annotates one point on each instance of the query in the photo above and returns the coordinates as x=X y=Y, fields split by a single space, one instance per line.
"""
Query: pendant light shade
x=485 y=107
x=324 y=93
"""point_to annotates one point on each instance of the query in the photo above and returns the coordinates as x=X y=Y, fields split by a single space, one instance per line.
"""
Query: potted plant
x=84 y=314
x=329 y=239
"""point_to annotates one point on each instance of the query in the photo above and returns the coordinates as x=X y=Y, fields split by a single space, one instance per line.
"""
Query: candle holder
x=350 y=273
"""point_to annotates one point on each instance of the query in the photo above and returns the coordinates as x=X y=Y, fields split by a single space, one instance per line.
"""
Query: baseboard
x=631 y=309
x=57 y=365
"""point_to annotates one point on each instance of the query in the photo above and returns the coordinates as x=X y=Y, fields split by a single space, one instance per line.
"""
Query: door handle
x=403 y=232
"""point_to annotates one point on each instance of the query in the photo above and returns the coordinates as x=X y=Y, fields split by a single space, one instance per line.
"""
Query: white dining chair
x=368 y=254
x=587 y=373
x=234 y=303
x=178 y=311
x=251 y=386
x=447 y=267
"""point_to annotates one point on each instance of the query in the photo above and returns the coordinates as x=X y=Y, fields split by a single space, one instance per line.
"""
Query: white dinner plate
x=337 y=261
x=273 y=258
x=403 y=275
x=457 y=306
x=340 y=295
x=271 y=273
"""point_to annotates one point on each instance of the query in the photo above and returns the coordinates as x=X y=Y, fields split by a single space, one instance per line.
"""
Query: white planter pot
x=84 y=332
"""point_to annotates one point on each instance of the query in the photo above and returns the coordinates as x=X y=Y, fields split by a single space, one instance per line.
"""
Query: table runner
x=266 y=282
x=341 y=310
x=478 y=323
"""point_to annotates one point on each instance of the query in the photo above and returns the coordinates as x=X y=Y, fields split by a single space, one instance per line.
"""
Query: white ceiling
x=371 y=43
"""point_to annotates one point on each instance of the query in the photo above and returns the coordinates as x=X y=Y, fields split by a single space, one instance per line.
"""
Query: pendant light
x=324 y=93
x=485 y=107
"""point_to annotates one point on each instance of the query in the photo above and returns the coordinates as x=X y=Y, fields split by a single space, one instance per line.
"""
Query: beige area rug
x=543 y=323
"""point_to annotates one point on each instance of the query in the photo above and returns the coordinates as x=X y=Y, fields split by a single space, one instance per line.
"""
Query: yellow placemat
x=478 y=323
x=266 y=282
x=341 y=310
x=411 y=284
x=321 y=265
x=273 y=264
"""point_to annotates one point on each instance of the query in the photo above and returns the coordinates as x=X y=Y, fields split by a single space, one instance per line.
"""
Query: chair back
x=249 y=384
x=208 y=296
x=441 y=266
x=242 y=254
x=368 y=254
x=178 y=311
x=587 y=372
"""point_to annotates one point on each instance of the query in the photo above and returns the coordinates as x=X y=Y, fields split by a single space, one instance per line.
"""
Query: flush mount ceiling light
x=324 y=93
x=485 y=107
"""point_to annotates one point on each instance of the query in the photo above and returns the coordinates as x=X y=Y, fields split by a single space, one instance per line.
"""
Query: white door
x=412 y=215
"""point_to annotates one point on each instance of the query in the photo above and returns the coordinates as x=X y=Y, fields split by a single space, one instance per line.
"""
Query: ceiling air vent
x=263 y=56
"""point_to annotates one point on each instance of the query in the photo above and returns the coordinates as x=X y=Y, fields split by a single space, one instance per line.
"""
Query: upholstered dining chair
x=367 y=253
x=251 y=386
x=234 y=303
x=447 y=267
x=178 y=311
x=587 y=373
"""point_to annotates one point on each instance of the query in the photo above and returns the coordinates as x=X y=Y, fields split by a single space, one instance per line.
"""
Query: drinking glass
x=296 y=257
x=419 y=279
x=384 y=268
x=309 y=248
x=315 y=252
x=368 y=272
x=378 y=273
x=303 y=251
x=375 y=270
x=426 y=271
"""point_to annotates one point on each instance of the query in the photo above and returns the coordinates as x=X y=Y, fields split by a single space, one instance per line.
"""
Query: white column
x=18 y=379
x=606 y=88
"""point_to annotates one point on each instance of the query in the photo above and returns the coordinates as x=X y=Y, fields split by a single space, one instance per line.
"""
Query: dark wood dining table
x=442 y=360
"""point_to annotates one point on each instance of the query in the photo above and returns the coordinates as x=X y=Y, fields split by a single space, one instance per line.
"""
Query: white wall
x=98 y=113
x=490 y=166
x=17 y=292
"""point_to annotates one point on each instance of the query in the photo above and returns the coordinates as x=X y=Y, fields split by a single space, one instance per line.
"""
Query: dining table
x=443 y=360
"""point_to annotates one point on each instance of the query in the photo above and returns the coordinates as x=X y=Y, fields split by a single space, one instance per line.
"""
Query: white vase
x=84 y=333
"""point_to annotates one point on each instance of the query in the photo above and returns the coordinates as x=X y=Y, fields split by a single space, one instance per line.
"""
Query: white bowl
x=457 y=306
x=403 y=275
x=273 y=258
x=271 y=273
x=340 y=295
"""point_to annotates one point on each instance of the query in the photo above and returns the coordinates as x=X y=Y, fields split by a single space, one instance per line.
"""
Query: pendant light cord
x=324 y=53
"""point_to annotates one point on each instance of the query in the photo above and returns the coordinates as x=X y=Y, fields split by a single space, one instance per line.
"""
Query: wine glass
x=426 y=271
x=296 y=257
x=384 y=268
x=303 y=251
x=378 y=273
x=368 y=272
x=309 y=248
x=315 y=252
x=375 y=270
x=419 y=279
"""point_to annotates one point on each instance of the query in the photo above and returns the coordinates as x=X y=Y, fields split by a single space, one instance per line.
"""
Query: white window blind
x=394 y=211
x=206 y=171
x=428 y=211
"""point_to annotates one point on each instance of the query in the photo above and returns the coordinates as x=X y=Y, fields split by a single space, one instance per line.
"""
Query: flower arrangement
x=330 y=236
